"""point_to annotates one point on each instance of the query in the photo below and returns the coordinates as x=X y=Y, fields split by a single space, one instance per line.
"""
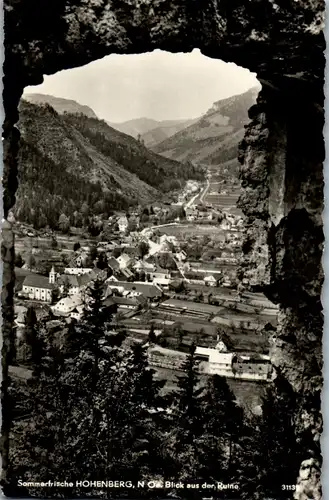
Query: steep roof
x=149 y=290
x=38 y=281
x=210 y=278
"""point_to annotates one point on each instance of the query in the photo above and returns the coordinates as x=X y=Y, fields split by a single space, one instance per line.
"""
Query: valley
x=168 y=257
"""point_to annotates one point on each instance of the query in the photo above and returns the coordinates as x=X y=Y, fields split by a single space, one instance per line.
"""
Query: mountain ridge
x=61 y=105
x=214 y=138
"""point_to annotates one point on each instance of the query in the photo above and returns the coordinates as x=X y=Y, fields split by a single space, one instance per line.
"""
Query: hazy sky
x=157 y=85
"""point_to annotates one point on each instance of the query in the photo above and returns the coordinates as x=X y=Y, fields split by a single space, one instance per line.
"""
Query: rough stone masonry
x=281 y=155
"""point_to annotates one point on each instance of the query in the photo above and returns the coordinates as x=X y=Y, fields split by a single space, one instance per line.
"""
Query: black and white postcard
x=162 y=239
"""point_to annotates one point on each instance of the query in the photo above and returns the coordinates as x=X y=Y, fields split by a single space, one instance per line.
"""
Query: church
x=37 y=287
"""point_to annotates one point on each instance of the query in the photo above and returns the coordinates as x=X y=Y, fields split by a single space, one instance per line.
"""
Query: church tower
x=52 y=276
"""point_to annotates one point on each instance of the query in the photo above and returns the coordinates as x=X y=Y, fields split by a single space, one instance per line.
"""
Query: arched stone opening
x=281 y=155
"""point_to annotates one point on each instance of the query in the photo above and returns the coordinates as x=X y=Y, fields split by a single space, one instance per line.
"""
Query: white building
x=124 y=261
x=78 y=271
x=142 y=265
x=210 y=281
x=67 y=305
x=181 y=255
x=37 y=287
x=160 y=278
x=220 y=363
x=122 y=223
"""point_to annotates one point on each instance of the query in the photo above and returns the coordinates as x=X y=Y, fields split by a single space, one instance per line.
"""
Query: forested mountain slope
x=72 y=164
x=214 y=138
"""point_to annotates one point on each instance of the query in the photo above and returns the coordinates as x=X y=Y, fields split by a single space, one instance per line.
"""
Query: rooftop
x=192 y=306
x=147 y=289
x=38 y=281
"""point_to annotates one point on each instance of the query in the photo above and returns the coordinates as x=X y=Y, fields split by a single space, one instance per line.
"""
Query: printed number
x=288 y=487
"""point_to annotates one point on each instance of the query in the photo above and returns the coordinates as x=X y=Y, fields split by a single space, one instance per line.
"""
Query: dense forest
x=132 y=154
x=96 y=412
x=72 y=167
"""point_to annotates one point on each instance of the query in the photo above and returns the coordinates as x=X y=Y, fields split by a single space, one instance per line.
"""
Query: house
x=20 y=275
x=67 y=305
x=150 y=291
x=37 y=287
x=124 y=261
x=70 y=282
x=191 y=214
x=161 y=278
x=220 y=363
x=181 y=255
x=210 y=281
x=122 y=223
x=127 y=273
x=221 y=346
x=77 y=284
x=127 y=303
x=77 y=270
x=81 y=259
x=142 y=265
x=202 y=353
x=112 y=279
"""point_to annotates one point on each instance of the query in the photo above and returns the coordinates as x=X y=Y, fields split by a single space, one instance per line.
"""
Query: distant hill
x=164 y=131
x=214 y=138
x=73 y=164
x=60 y=105
x=149 y=130
x=135 y=127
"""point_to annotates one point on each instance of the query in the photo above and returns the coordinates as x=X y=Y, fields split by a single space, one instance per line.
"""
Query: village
x=169 y=276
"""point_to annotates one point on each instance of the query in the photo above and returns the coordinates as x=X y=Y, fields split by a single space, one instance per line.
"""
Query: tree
x=187 y=414
x=55 y=294
x=152 y=336
x=54 y=243
x=223 y=421
x=93 y=253
x=64 y=223
x=132 y=225
x=144 y=217
x=166 y=261
x=270 y=439
x=143 y=249
x=101 y=261
x=178 y=286
x=31 y=337
x=66 y=287
x=95 y=225
x=19 y=262
x=30 y=261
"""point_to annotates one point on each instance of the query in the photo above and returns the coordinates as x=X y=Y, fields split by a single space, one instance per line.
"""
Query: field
x=181 y=231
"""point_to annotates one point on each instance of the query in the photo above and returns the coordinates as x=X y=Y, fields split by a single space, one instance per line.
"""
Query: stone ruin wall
x=281 y=155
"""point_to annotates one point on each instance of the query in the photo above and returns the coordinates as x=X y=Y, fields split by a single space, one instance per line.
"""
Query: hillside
x=60 y=105
x=214 y=138
x=151 y=131
x=164 y=131
x=77 y=165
